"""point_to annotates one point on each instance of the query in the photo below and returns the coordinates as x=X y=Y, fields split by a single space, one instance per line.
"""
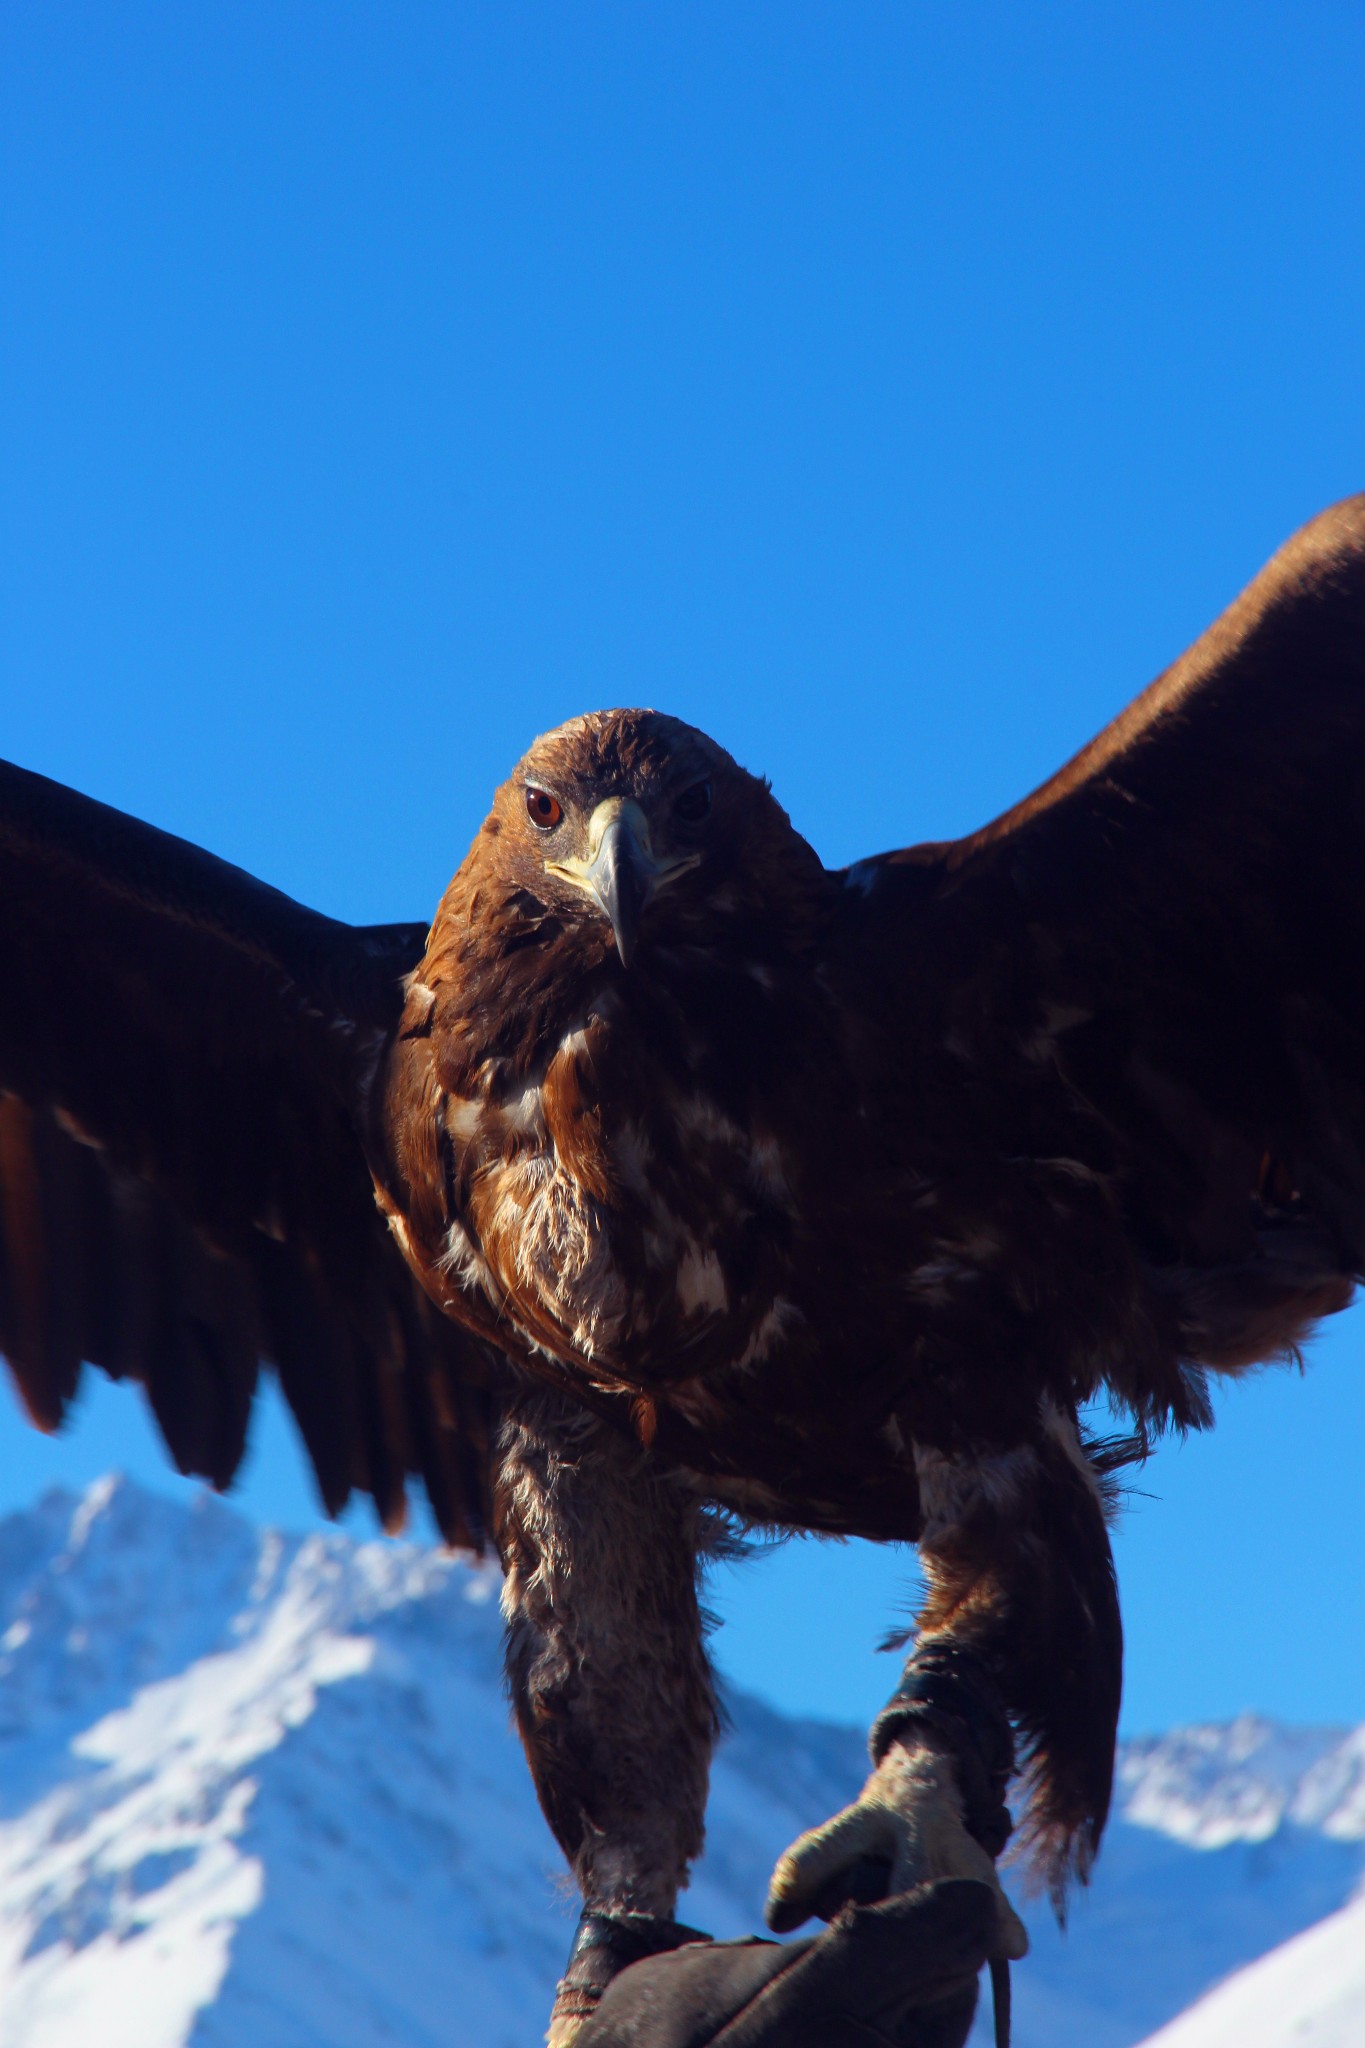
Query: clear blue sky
x=890 y=389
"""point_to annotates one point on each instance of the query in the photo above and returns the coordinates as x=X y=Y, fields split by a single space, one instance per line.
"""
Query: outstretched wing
x=1175 y=926
x=184 y=1056
x=1141 y=996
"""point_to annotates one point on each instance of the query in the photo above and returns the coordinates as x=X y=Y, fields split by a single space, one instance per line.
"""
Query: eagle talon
x=604 y=1944
x=865 y=1883
x=907 y=1822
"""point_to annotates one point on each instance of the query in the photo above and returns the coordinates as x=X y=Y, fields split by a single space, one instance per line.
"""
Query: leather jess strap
x=950 y=1692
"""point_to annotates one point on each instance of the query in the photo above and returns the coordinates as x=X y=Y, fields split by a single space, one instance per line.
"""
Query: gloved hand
x=902 y=1974
x=907 y=1820
x=604 y=1945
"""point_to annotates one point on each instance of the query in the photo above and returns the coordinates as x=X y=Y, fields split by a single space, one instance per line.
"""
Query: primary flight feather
x=671 y=1172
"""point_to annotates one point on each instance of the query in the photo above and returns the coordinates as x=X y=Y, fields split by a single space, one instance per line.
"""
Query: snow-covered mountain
x=262 y=1788
x=1310 y=1992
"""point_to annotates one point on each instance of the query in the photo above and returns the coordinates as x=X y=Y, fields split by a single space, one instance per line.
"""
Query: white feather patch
x=777 y=1324
x=701 y=1283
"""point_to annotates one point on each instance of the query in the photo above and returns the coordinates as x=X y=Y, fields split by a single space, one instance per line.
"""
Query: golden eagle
x=672 y=1178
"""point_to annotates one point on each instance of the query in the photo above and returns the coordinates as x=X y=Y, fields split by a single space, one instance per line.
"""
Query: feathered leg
x=1016 y=1552
x=1021 y=1623
x=609 y=1677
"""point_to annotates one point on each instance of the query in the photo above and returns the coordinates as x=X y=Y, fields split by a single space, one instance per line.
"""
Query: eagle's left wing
x=1135 y=1004
x=1174 y=926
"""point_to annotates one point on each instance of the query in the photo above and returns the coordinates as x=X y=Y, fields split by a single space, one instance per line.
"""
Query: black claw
x=1000 y=1993
x=865 y=1883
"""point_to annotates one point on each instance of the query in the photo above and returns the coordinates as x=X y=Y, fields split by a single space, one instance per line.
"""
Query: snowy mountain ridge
x=1243 y=1780
x=263 y=1787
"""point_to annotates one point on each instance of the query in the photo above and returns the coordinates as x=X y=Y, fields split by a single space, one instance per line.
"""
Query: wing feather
x=184 y=1062
x=1175 y=924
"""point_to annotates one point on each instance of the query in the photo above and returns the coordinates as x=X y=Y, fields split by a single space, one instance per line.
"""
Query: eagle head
x=636 y=826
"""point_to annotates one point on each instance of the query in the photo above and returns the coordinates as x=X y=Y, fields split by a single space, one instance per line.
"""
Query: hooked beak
x=621 y=872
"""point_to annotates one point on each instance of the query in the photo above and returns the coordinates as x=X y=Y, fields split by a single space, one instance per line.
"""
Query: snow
x=1244 y=1781
x=1310 y=1992
x=257 y=1787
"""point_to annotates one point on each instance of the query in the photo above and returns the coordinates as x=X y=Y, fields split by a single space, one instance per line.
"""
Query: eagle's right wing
x=184 y=1056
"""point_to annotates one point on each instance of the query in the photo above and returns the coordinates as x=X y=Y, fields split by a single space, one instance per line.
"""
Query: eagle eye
x=694 y=803
x=544 y=810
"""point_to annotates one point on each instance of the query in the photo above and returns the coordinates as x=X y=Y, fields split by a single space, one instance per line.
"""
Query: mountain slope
x=260 y=1788
x=1310 y=1992
x=1226 y=1841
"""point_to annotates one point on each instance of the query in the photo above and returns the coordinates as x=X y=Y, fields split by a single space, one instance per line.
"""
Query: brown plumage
x=727 y=1181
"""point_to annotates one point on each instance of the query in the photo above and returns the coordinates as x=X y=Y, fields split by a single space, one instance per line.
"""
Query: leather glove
x=902 y=1974
x=604 y=1945
x=905 y=1829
